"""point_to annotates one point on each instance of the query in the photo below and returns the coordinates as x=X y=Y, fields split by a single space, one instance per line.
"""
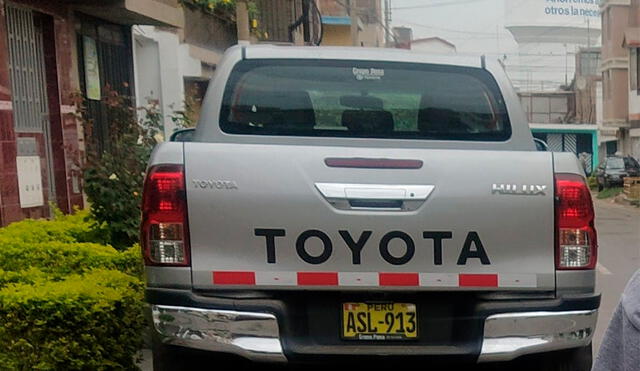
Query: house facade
x=614 y=67
x=352 y=23
x=631 y=43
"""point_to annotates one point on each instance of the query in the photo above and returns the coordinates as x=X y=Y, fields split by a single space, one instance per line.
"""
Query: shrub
x=114 y=171
x=75 y=227
x=67 y=302
x=89 y=321
x=130 y=261
x=62 y=258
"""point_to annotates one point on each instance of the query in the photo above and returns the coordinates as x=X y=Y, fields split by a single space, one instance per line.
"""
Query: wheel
x=175 y=358
x=577 y=359
x=607 y=184
x=600 y=187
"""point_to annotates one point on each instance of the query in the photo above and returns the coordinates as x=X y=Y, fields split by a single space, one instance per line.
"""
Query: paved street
x=619 y=256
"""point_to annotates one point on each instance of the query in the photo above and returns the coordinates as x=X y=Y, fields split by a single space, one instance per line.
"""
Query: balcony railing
x=288 y=21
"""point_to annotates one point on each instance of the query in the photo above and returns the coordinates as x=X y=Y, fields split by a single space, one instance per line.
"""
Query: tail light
x=576 y=239
x=164 y=217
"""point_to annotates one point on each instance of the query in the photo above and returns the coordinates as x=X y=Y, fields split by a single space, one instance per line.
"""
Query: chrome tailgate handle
x=374 y=191
x=375 y=197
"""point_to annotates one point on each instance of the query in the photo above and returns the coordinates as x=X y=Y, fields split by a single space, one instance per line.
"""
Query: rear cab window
x=356 y=99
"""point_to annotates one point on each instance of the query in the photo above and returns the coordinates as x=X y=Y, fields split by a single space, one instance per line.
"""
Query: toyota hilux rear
x=341 y=203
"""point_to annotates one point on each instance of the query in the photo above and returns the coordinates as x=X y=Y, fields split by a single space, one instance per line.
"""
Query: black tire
x=607 y=184
x=600 y=187
x=175 y=358
x=577 y=359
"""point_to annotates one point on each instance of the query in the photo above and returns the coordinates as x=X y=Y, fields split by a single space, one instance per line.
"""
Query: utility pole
x=588 y=33
x=305 y=24
x=242 y=22
x=353 y=13
x=566 y=65
x=387 y=22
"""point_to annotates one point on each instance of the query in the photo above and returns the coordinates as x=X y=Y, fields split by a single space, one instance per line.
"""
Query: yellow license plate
x=379 y=321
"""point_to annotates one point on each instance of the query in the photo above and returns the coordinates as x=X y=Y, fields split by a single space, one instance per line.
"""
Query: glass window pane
x=363 y=100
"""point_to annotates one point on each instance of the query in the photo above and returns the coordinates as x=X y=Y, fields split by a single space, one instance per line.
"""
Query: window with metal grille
x=27 y=70
x=114 y=69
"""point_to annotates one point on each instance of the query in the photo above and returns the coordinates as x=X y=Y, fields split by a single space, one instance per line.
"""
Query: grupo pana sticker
x=367 y=73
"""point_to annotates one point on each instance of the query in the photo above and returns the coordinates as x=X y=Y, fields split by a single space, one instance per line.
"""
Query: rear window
x=357 y=99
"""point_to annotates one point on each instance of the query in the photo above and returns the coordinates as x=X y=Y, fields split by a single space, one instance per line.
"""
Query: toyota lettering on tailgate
x=472 y=247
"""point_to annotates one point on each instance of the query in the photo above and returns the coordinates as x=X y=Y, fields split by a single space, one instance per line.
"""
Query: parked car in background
x=614 y=169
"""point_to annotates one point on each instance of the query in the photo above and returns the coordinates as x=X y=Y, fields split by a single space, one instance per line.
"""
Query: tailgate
x=298 y=217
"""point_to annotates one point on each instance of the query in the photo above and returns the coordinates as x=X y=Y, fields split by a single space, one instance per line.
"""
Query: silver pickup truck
x=367 y=204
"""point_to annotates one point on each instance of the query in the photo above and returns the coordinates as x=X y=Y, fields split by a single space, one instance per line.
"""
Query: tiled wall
x=61 y=83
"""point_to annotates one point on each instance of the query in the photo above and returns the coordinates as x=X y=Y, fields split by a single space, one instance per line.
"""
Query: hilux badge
x=519 y=189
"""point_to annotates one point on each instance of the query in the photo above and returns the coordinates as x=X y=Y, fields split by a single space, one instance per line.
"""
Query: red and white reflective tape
x=373 y=279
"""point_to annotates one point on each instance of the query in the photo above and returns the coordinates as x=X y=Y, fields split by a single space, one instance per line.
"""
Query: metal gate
x=28 y=80
x=562 y=142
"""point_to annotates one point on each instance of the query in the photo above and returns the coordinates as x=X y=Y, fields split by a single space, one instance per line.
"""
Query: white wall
x=542 y=66
x=161 y=63
x=147 y=70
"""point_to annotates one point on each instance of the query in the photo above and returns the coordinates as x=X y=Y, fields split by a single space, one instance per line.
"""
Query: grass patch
x=609 y=192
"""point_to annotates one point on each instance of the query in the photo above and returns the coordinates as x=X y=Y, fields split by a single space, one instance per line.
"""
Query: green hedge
x=76 y=227
x=67 y=303
x=60 y=258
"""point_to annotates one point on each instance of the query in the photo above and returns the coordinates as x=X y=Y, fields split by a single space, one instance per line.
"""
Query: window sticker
x=367 y=73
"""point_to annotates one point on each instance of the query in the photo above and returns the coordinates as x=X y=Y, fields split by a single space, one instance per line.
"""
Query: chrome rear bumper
x=510 y=335
x=256 y=336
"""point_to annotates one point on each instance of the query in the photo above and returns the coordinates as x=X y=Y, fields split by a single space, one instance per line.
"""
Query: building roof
x=435 y=38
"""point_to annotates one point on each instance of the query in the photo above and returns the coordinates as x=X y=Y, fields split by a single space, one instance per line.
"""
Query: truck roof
x=271 y=51
x=208 y=129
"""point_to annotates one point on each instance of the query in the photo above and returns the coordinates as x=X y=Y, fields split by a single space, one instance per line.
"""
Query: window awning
x=336 y=20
